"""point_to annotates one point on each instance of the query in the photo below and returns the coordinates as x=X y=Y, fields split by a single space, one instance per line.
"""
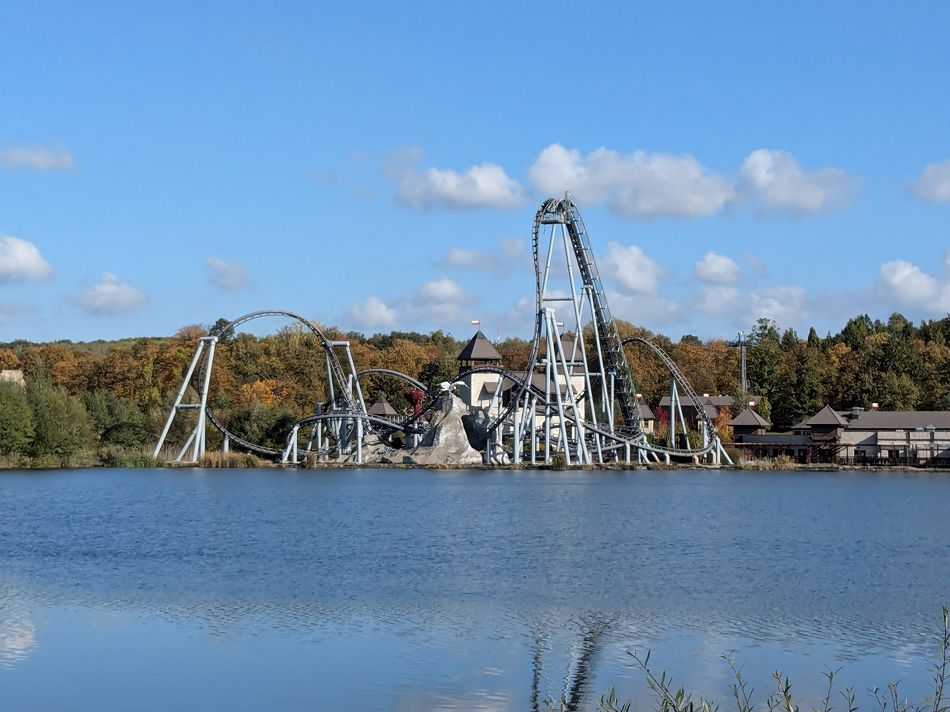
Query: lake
x=460 y=590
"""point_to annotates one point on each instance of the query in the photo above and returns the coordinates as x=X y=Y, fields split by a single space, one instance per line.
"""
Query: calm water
x=245 y=590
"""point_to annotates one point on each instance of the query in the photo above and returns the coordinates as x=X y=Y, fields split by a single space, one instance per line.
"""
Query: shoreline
x=619 y=467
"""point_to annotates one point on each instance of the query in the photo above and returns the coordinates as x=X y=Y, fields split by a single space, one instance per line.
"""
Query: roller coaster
x=575 y=402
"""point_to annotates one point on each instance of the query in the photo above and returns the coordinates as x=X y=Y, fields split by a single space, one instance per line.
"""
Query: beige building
x=913 y=437
x=14 y=376
x=492 y=391
x=478 y=390
x=858 y=436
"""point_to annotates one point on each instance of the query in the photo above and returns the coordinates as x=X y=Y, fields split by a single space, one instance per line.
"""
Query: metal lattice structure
x=588 y=410
x=576 y=399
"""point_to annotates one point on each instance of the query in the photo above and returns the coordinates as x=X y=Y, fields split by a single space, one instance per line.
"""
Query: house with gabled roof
x=912 y=437
x=713 y=406
x=383 y=409
x=826 y=428
x=751 y=435
x=748 y=422
x=647 y=417
x=856 y=436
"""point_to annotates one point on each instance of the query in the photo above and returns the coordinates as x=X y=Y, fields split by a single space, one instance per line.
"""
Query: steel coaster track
x=688 y=389
x=564 y=211
x=615 y=360
x=430 y=401
x=638 y=440
x=552 y=211
x=346 y=406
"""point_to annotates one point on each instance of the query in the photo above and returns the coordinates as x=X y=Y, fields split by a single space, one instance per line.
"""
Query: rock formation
x=446 y=442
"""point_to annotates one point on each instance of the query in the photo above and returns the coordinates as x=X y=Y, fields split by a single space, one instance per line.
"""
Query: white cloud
x=933 y=185
x=757 y=265
x=631 y=269
x=636 y=185
x=509 y=255
x=910 y=286
x=20 y=260
x=649 y=310
x=464 y=259
x=441 y=290
x=373 y=314
x=518 y=318
x=485 y=185
x=37 y=158
x=109 y=296
x=778 y=182
x=226 y=274
x=784 y=304
x=717 y=301
x=441 y=302
x=717 y=269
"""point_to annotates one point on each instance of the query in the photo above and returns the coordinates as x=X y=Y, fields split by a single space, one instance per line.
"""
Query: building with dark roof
x=858 y=436
x=912 y=437
x=647 y=418
x=480 y=390
x=714 y=406
x=479 y=351
x=748 y=422
x=382 y=409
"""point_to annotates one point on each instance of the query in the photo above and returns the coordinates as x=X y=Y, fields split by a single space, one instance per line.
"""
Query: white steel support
x=197 y=439
x=200 y=441
x=516 y=435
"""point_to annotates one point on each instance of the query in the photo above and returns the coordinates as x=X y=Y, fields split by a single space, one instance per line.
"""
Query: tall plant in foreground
x=781 y=699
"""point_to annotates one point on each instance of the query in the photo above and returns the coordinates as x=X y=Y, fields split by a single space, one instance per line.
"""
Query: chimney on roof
x=875 y=406
x=855 y=412
x=705 y=395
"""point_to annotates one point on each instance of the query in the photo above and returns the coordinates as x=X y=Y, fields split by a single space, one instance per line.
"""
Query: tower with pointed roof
x=478 y=389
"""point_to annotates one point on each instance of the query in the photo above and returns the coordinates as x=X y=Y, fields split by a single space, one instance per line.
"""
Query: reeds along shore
x=781 y=697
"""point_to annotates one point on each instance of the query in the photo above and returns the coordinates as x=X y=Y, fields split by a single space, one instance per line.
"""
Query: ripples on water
x=417 y=590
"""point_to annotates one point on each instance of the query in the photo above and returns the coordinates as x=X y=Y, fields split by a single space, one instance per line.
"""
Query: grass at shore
x=230 y=460
x=781 y=698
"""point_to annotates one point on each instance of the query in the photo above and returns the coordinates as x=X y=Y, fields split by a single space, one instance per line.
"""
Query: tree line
x=97 y=397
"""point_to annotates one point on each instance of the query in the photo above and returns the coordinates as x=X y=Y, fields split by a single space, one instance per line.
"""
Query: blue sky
x=378 y=166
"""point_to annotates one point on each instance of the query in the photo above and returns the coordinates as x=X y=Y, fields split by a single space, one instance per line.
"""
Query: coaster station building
x=857 y=436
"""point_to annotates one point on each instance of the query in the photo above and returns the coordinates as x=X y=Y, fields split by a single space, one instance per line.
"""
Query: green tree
x=16 y=421
x=856 y=331
x=222 y=331
x=61 y=425
x=801 y=385
x=117 y=421
x=764 y=358
x=443 y=367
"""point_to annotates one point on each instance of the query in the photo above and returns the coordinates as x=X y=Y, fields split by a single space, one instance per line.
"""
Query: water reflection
x=391 y=657
x=411 y=590
x=579 y=673
x=17 y=634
